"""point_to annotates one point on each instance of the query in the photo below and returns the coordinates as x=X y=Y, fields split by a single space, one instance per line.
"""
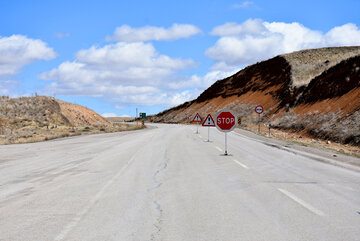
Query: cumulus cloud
x=126 y=33
x=124 y=73
x=243 y=4
x=62 y=34
x=109 y=115
x=255 y=40
x=18 y=50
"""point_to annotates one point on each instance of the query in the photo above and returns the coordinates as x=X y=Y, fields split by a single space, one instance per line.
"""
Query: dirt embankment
x=314 y=93
x=39 y=118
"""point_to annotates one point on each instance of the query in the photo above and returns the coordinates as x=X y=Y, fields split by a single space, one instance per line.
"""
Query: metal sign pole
x=226 y=144
x=259 y=124
x=208 y=133
x=197 y=128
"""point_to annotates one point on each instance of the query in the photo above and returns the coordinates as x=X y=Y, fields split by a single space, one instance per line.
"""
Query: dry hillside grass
x=307 y=64
x=39 y=118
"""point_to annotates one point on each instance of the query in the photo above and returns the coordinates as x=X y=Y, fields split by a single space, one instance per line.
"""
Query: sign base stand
x=226 y=153
x=208 y=134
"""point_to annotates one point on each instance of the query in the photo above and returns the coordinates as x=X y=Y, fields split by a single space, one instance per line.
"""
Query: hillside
x=38 y=118
x=313 y=92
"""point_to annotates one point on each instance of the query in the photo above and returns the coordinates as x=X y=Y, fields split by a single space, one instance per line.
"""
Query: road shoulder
x=315 y=153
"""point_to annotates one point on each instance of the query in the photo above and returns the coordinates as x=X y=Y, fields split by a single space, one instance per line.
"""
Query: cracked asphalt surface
x=168 y=183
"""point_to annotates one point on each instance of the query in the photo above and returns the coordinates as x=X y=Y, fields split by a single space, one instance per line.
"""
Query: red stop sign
x=225 y=120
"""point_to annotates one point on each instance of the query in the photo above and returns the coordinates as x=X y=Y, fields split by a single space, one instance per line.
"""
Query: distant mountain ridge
x=316 y=92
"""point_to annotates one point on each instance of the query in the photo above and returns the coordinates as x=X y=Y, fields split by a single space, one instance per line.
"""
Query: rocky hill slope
x=315 y=92
x=29 y=119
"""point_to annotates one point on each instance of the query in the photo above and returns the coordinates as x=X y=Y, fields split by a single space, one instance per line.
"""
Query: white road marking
x=219 y=148
x=243 y=165
x=93 y=201
x=302 y=202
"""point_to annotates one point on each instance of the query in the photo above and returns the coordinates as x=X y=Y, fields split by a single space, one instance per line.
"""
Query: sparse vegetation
x=331 y=126
x=41 y=118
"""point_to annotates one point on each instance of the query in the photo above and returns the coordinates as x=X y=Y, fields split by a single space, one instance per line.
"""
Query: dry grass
x=331 y=126
x=41 y=118
x=307 y=64
x=303 y=139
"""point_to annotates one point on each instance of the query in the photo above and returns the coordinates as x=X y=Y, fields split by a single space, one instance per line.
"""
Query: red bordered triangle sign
x=197 y=118
x=209 y=121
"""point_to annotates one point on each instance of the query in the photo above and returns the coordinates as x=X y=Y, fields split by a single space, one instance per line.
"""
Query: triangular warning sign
x=209 y=121
x=197 y=118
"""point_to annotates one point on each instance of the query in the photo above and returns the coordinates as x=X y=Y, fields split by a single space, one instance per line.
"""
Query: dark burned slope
x=271 y=77
x=263 y=76
x=335 y=82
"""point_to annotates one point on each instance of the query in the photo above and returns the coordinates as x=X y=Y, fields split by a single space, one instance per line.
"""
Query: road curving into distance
x=168 y=183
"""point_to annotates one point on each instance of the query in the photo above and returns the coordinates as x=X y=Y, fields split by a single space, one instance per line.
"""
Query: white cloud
x=250 y=26
x=201 y=82
x=124 y=73
x=17 y=51
x=347 y=34
x=62 y=34
x=255 y=40
x=243 y=4
x=163 y=97
x=176 y=31
x=109 y=115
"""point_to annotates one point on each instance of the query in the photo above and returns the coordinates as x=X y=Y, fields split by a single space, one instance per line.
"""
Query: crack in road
x=162 y=166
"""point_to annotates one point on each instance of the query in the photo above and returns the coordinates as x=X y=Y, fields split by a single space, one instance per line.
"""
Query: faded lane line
x=93 y=201
x=219 y=148
x=302 y=202
x=243 y=165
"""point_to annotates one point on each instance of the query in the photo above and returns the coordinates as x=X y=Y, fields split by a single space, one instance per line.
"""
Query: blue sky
x=115 y=56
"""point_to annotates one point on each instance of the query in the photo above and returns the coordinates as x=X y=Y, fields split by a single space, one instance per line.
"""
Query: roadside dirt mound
x=313 y=92
x=38 y=118
x=81 y=116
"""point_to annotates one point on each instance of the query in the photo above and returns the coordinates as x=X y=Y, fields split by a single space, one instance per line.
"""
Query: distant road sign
x=225 y=120
x=197 y=118
x=209 y=121
x=143 y=115
x=259 y=109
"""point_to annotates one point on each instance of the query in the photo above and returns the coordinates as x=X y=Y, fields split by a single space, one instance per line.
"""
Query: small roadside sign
x=259 y=109
x=197 y=118
x=209 y=121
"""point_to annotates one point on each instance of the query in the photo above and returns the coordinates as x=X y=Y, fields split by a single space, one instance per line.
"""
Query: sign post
x=225 y=121
x=197 y=119
x=259 y=109
x=209 y=121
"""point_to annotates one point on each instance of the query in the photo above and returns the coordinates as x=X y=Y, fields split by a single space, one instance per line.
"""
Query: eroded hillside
x=314 y=92
x=30 y=119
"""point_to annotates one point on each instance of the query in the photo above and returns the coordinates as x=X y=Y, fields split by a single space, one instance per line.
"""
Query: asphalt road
x=168 y=183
